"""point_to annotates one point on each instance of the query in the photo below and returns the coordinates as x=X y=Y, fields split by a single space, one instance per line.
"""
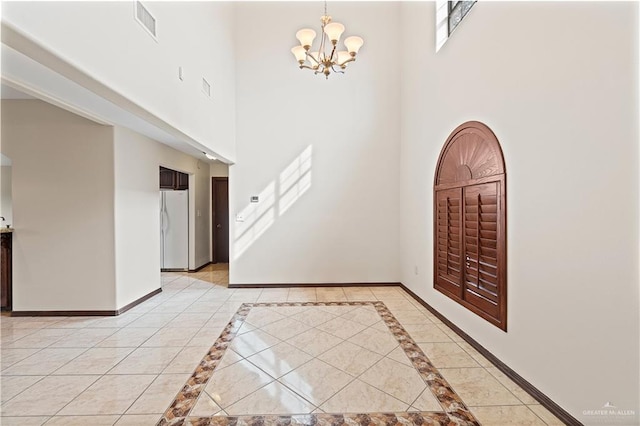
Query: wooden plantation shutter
x=449 y=241
x=481 y=247
x=470 y=222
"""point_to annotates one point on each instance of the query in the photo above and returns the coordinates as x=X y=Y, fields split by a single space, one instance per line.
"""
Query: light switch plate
x=239 y=218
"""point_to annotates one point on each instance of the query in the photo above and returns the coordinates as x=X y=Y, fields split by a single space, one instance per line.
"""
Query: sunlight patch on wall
x=442 y=27
x=295 y=180
x=274 y=200
x=258 y=217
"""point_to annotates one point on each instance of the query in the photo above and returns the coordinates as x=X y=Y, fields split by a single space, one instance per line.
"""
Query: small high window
x=457 y=10
x=449 y=14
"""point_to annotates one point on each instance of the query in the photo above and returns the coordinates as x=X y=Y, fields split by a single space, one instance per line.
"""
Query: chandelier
x=326 y=59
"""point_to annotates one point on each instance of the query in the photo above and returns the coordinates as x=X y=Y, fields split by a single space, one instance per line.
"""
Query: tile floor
x=200 y=351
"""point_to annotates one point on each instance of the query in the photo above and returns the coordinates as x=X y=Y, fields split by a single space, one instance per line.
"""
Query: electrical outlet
x=415 y=270
x=239 y=218
x=180 y=75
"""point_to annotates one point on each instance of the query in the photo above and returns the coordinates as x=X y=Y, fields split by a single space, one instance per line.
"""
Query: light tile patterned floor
x=128 y=370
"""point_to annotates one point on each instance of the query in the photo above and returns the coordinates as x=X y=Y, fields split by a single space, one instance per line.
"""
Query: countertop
x=6 y=230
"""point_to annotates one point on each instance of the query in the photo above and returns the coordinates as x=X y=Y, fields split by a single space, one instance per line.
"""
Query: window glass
x=457 y=11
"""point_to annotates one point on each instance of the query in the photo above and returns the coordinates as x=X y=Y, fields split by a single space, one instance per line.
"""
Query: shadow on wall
x=275 y=199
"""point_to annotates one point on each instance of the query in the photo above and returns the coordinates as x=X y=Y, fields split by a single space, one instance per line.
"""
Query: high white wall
x=62 y=178
x=558 y=84
x=323 y=156
x=104 y=41
x=137 y=231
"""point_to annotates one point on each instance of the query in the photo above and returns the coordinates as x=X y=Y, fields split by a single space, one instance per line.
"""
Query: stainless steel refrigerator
x=174 y=230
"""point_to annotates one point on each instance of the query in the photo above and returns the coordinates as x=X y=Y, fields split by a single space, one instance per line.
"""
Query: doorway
x=220 y=219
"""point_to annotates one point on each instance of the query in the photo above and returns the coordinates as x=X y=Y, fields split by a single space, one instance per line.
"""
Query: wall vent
x=146 y=19
x=206 y=87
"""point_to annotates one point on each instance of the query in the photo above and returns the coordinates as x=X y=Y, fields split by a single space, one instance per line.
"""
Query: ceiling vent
x=206 y=87
x=146 y=19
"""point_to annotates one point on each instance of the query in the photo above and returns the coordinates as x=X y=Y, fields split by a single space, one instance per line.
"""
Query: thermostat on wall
x=255 y=198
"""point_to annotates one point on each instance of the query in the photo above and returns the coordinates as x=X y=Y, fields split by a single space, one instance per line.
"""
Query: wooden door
x=470 y=222
x=220 y=219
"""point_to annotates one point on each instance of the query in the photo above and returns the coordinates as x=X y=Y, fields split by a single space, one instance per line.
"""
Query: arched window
x=470 y=264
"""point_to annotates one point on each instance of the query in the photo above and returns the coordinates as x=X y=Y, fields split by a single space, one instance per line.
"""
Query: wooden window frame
x=467 y=177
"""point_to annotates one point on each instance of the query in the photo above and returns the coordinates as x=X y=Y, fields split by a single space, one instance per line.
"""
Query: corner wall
x=137 y=160
x=85 y=209
x=62 y=188
x=558 y=84
x=322 y=155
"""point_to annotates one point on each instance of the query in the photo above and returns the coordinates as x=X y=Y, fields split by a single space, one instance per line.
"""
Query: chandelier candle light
x=319 y=61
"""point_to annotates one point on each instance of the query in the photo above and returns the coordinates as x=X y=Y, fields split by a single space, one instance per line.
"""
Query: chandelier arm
x=347 y=61
x=321 y=55
x=312 y=58
x=333 y=50
x=321 y=49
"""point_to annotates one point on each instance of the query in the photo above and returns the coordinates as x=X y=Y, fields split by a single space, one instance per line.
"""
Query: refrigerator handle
x=164 y=215
x=161 y=230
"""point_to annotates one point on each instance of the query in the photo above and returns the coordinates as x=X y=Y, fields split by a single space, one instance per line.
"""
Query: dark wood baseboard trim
x=301 y=285
x=85 y=313
x=63 y=313
x=544 y=400
x=138 y=301
x=200 y=267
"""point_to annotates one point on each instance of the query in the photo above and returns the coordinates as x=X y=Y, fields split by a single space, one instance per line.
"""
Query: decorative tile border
x=426 y=419
x=456 y=412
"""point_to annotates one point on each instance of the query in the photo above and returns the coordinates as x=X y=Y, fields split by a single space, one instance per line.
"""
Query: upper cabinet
x=172 y=179
x=167 y=178
x=182 y=180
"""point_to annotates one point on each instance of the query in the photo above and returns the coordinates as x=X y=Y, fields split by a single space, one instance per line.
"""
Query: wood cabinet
x=167 y=178
x=182 y=181
x=470 y=222
x=6 y=267
x=172 y=179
